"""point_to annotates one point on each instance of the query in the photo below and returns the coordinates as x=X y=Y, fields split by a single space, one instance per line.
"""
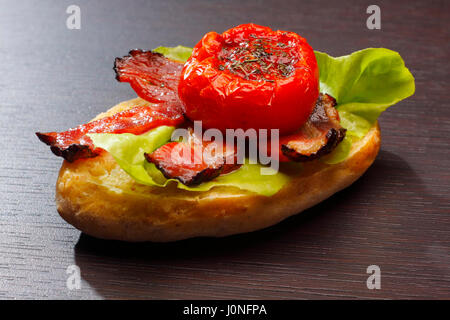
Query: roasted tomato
x=250 y=77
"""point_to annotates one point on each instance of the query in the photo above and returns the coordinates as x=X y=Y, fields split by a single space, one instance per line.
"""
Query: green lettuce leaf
x=364 y=84
x=178 y=53
x=340 y=153
x=128 y=151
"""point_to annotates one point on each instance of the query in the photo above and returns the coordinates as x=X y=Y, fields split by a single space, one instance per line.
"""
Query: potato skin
x=97 y=197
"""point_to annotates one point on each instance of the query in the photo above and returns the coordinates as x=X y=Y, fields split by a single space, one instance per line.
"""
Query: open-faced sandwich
x=247 y=128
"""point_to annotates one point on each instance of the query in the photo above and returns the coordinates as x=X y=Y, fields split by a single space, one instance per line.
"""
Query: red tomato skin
x=225 y=100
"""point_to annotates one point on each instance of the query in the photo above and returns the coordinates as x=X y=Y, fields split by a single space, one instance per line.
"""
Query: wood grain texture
x=396 y=216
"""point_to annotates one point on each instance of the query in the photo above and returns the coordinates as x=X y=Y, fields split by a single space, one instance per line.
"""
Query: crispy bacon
x=318 y=136
x=188 y=162
x=152 y=76
x=155 y=79
x=73 y=144
x=190 y=171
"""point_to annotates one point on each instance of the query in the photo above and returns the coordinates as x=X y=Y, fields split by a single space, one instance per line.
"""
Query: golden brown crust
x=100 y=199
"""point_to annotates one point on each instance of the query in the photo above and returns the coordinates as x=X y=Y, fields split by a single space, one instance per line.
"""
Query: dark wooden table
x=397 y=216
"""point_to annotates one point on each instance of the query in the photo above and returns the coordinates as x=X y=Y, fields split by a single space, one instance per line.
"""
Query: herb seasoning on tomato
x=250 y=77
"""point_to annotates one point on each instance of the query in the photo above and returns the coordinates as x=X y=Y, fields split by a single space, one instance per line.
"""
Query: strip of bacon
x=318 y=136
x=73 y=144
x=170 y=159
x=152 y=76
x=188 y=162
